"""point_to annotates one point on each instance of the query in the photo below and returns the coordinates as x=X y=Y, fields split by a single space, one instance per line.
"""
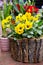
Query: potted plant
x=26 y=34
x=4 y=18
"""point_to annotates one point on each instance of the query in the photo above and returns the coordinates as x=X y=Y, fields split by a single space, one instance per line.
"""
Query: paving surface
x=5 y=59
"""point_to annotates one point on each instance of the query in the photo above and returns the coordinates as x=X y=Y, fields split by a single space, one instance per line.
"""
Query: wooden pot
x=26 y=50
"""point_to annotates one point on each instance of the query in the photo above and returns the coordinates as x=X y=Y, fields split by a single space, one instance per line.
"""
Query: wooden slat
x=41 y=51
x=31 y=49
x=25 y=50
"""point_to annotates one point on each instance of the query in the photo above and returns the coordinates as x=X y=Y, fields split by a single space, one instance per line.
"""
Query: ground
x=5 y=59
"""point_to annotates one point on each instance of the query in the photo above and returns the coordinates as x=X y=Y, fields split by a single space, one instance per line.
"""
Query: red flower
x=32 y=9
x=29 y=10
x=26 y=7
x=18 y=6
x=36 y=10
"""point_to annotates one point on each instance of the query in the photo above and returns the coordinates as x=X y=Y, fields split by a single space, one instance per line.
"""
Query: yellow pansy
x=17 y=18
x=3 y=26
x=31 y=18
x=3 y=23
x=19 y=28
x=24 y=18
x=20 y=19
x=35 y=18
x=18 y=31
x=28 y=25
x=9 y=18
x=28 y=15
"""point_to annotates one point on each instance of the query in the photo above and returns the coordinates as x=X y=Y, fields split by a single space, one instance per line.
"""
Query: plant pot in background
x=4 y=44
x=26 y=50
x=0 y=46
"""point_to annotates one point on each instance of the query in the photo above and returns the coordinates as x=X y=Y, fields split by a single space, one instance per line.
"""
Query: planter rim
x=13 y=38
x=3 y=38
x=28 y=38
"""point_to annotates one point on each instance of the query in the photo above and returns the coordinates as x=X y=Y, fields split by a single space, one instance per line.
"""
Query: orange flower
x=12 y=21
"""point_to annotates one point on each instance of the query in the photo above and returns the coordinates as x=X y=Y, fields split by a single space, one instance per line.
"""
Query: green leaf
x=22 y=9
x=24 y=35
x=15 y=38
x=15 y=1
x=39 y=32
x=13 y=16
x=10 y=34
x=7 y=10
x=31 y=32
x=15 y=8
x=21 y=2
x=29 y=36
x=41 y=27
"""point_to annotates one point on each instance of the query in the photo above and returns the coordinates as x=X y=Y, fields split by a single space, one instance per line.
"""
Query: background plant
x=5 y=12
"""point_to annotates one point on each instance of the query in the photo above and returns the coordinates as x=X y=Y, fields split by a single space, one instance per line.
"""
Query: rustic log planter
x=26 y=50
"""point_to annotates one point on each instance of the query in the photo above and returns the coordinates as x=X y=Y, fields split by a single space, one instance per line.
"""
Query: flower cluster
x=25 y=22
x=26 y=25
x=5 y=22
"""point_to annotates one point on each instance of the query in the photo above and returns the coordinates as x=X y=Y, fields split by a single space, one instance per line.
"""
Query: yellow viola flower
x=18 y=31
x=31 y=18
x=19 y=28
x=3 y=26
x=9 y=18
x=20 y=19
x=24 y=18
x=3 y=23
x=35 y=18
x=28 y=15
x=17 y=18
x=28 y=25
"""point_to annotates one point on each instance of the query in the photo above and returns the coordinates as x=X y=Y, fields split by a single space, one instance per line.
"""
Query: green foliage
x=7 y=9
